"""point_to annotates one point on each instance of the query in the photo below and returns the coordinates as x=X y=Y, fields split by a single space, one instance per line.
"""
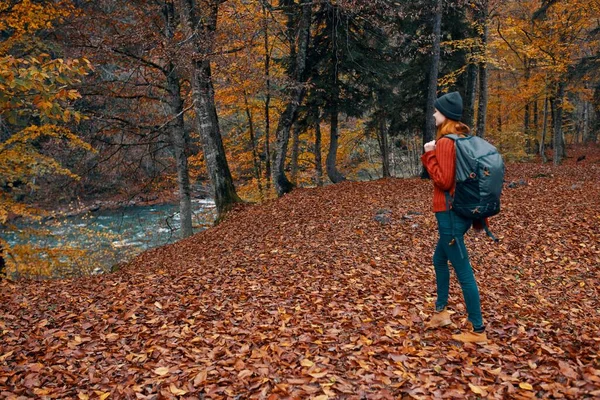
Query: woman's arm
x=441 y=164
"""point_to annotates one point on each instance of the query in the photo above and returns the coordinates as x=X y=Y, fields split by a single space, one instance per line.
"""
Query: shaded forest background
x=245 y=100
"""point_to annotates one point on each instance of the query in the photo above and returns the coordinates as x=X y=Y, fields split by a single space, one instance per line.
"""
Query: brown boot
x=439 y=320
x=471 y=337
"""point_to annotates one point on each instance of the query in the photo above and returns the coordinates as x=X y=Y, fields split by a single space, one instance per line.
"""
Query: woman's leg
x=442 y=276
x=458 y=256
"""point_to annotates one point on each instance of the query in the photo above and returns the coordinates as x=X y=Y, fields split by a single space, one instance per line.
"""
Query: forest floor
x=324 y=293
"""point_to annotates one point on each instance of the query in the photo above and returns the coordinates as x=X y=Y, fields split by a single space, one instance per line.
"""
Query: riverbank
x=79 y=207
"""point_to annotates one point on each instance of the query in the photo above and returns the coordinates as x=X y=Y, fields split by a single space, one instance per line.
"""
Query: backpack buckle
x=472 y=175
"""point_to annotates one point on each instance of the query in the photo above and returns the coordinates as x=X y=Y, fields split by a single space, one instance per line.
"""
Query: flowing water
x=112 y=236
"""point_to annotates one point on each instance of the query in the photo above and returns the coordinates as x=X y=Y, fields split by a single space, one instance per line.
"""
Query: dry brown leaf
x=525 y=386
x=306 y=363
x=176 y=391
x=162 y=371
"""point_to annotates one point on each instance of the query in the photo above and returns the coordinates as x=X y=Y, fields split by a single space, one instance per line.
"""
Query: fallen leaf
x=162 y=371
x=477 y=389
x=318 y=374
x=245 y=374
x=525 y=386
x=176 y=391
x=306 y=363
x=200 y=378
x=567 y=371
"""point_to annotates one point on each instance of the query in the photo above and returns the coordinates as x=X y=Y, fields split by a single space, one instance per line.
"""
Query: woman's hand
x=429 y=146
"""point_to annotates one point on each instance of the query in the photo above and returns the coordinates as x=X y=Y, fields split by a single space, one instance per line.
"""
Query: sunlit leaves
x=36 y=99
x=532 y=52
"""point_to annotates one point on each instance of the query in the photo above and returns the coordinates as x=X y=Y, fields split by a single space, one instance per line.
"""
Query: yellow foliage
x=35 y=87
x=530 y=56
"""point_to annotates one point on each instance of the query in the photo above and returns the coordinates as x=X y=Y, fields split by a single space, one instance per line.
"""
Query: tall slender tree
x=483 y=22
x=200 y=22
x=298 y=32
x=429 y=132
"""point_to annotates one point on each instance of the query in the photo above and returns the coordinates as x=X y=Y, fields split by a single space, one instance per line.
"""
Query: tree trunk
x=470 y=96
x=2 y=263
x=527 y=115
x=287 y=118
x=483 y=73
x=255 y=158
x=595 y=104
x=267 y=154
x=535 y=121
x=558 y=141
x=200 y=23
x=295 y=154
x=178 y=141
x=527 y=130
x=429 y=133
x=586 y=122
x=544 y=131
x=330 y=163
x=383 y=146
x=177 y=132
x=318 y=158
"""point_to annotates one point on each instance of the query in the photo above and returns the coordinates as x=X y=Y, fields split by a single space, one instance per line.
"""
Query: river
x=110 y=236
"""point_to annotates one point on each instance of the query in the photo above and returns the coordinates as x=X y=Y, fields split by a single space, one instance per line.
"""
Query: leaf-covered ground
x=324 y=293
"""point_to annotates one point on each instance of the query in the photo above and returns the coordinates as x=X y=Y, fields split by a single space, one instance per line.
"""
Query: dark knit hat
x=451 y=105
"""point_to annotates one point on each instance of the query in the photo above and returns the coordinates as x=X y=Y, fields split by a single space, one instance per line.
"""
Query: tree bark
x=177 y=132
x=535 y=119
x=527 y=115
x=586 y=122
x=200 y=23
x=253 y=144
x=267 y=152
x=429 y=133
x=595 y=104
x=179 y=143
x=2 y=263
x=318 y=157
x=558 y=141
x=331 y=162
x=383 y=146
x=527 y=129
x=295 y=154
x=470 y=96
x=297 y=92
x=483 y=73
x=544 y=131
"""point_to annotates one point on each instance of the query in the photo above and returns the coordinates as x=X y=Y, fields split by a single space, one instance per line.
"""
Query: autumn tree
x=200 y=24
x=36 y=109
x=547 y=49
x=142 y=92
x=297 y=34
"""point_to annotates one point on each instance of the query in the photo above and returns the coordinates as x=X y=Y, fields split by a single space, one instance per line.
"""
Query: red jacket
x=441 y=165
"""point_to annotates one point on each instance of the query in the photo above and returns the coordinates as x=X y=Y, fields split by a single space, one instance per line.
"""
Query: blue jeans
x=451 y=247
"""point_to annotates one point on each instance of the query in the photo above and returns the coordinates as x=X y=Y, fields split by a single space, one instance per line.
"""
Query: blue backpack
x=479 y=179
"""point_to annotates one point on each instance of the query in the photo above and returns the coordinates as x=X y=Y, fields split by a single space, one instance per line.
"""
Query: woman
x=439 y=160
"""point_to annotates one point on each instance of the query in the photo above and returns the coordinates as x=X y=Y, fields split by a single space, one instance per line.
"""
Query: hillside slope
x=313 y=295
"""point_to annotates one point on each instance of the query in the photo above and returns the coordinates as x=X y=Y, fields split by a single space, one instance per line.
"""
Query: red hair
x=450 y=126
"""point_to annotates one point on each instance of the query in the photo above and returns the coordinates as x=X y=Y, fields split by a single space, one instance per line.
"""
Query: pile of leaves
x=324 y=294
